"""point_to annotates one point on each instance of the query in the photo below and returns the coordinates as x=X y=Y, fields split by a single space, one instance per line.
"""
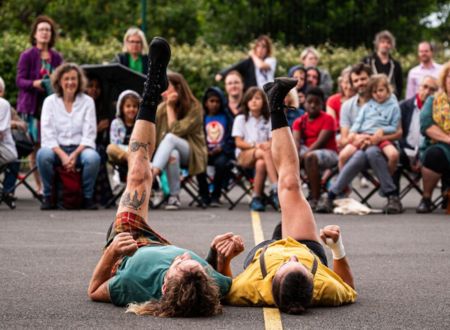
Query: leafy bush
x=198 y=62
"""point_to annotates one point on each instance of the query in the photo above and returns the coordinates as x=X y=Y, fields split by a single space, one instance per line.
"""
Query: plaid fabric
x=138 y=227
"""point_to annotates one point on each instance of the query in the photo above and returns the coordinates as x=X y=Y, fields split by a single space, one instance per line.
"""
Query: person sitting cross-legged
x=139 y=268
x=290 y=271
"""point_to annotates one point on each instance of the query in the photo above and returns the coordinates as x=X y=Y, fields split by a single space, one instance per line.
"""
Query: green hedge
x=198 y=63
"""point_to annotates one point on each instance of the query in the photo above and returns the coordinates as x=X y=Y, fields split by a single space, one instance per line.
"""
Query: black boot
x=277 y=91
x=89 y=204
x=47 y=204
x=156 y=82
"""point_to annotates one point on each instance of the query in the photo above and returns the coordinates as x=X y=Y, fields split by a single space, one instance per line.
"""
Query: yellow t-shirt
x=250 y=288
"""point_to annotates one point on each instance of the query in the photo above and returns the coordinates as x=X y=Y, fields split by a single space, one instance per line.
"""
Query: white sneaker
x=363 y=183
x=157 y=198
x=173 y=203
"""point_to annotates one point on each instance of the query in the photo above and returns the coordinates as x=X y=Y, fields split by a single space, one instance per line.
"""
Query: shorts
x=247 y=158
x=137 y=227
x=380 y=145
x=327 y=158
x=313 y=246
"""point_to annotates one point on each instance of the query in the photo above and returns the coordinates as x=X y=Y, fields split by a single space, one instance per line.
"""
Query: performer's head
x=292 y=287
x=188 y=291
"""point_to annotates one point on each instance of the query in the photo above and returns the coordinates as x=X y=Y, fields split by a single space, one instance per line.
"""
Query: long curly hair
x=193 y=294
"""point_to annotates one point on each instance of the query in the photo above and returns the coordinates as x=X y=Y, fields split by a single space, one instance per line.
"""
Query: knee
x=90 y=157
x=174 y=157
x=310 y=158
x=289 y=182
x=260 y=165
x=373 y=152
x=168 y=138
x=45 y=155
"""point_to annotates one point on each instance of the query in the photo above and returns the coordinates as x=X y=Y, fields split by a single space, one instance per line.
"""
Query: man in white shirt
x=8 y=151
x=427 y=67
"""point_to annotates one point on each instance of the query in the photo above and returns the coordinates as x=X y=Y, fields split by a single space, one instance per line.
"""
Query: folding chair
x=3 y=197
x=22 y=179
x=364 y=199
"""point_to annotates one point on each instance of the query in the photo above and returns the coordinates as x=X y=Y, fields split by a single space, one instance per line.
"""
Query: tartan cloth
x=137 y=227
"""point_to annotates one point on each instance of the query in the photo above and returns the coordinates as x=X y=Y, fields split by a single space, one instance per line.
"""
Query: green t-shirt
x=135 y=65
x=141 y=276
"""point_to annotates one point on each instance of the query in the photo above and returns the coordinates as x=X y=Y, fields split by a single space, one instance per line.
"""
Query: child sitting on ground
x=122 y=126
x=379 y=117
x=252 y=133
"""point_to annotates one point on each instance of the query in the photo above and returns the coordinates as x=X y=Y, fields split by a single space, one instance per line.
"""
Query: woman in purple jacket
x=33 y=77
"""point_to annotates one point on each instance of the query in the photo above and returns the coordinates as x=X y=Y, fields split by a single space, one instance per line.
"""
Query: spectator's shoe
x=157 y=199
x=325 y=205
x=89 y=204
x=257 y=205
x=173 y=203
x=393 y=206
x=215 y=202
x=425 y=206
x=47 y=204
x=277 y=91
x=274 y=200
x=9 y=200
x=156 y=82
x=313 y=203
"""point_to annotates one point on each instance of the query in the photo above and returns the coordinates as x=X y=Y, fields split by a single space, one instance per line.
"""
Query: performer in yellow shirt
x=290 y=271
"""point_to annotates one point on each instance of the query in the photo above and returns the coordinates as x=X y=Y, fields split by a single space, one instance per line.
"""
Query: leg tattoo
x=133 y=203
x=135 y=146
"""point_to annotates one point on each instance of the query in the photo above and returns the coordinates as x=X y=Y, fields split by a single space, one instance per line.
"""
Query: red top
x=310 y=129
x=334 y=102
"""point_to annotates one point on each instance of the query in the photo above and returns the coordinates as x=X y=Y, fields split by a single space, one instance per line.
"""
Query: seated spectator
x=298 y=72
x=310 y=57
x=8 y=152
x=292 y=108
x=68 y=131
x=315 y=138
x=251 y=131
x=345 y=92
x=427 y=67
x=122 y=127
x=435 y=152
x=180 y=137
x=313 y=77
x=363 y=159
x=410 y=118
x=234 y=87
x=379 y=116
x=259 y=68
x=134 y=51
x=94 y=89
x=217 y=124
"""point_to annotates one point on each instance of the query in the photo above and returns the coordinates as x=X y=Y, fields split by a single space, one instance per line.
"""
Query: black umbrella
x=114 y=79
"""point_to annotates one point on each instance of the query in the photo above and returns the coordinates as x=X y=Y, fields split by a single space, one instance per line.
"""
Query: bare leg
x=345 y=155
x=430 y=180
x=296 y=216
x=266 y=155
x=260 y=177
x=393 y=156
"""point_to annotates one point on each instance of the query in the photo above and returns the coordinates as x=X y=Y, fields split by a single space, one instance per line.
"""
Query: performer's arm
x=123 y=244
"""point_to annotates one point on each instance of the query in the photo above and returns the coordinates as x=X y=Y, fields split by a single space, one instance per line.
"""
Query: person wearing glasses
x=290 y=271
x=134 y=51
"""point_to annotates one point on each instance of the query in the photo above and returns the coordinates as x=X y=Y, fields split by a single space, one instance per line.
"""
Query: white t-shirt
x=265 y=76
x=6 y=140
x=254 y=130
x=61 y=128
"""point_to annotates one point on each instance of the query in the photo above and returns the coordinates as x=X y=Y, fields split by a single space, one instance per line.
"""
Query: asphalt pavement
x=401 y=266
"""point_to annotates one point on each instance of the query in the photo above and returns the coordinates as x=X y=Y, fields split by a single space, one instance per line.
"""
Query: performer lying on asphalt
x=140 y=268
x=290 y=271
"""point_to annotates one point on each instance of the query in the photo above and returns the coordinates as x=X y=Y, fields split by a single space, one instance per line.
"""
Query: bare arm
x=322 y=139
x=123 y=244
x=436 y=133
x=331 y=112
x=297 y=138
x=259 y=63
x=243 y=145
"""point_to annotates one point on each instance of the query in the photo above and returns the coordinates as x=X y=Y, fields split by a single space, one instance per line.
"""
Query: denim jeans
x=10 y=177
x=88 y=161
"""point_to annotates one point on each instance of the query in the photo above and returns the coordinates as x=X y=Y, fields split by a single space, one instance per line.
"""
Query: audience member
x=134 y=51
x=69 y=129
x=380 y=116
x=234 y=86
x=259 y=68
x=251 y=131
x=370 y=157
x=313 y=77
x=180 y=136
x=298 y=72
x=292 y=108
x=34 y=68
x=315 y=138
x=345 y=92
x=381 y=61
x=310 y=58
x=122 y=127
x=217 y=124
x=427 y=67
x=435 y=126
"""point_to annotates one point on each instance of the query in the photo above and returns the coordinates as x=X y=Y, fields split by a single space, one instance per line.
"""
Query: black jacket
x=407 y=110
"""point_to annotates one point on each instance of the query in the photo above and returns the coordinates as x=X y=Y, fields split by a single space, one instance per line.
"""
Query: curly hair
x=63 y=69
x=292 y=292
x=193 y=294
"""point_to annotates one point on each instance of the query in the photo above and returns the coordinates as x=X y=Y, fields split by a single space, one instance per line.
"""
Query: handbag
x=69 y=194
x=23 y=141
